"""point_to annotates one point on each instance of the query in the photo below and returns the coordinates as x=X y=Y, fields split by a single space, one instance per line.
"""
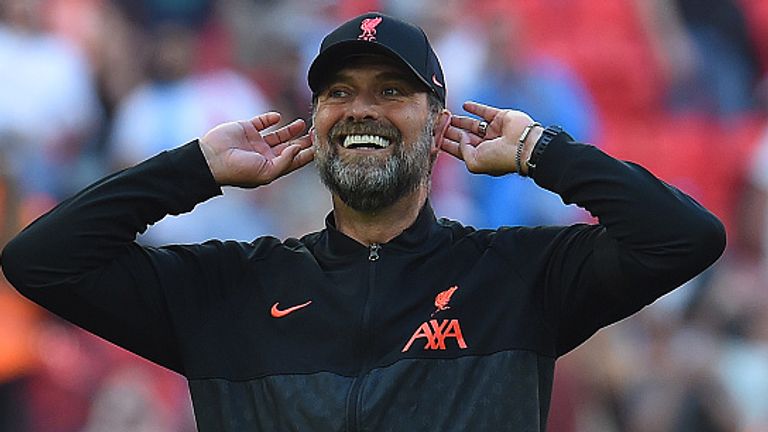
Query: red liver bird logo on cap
x=368 y=26
x=442 y=299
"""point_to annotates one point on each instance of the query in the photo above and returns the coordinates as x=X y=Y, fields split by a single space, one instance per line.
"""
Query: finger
x=303 y=142
x=471 y=124
x=263 y=121
x=302 y=158
x=254 y=126
x=282 y=163
x=457 y=134
x=468 y=151
x=285 y=133
x=452 y=148
x=312 y=135
x=464 y=122
x=487 y=112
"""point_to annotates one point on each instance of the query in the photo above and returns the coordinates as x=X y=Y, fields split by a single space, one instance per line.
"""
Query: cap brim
x=331 y=60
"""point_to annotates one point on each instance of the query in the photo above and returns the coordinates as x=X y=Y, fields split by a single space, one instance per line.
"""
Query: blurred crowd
x=88 y=87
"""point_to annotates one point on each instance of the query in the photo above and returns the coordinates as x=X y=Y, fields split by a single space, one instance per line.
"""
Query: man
x=387 y=319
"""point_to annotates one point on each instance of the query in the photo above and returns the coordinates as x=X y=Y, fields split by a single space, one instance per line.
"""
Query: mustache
x=364 y=127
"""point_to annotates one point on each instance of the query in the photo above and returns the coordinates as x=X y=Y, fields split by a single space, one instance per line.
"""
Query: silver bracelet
x=521 y=145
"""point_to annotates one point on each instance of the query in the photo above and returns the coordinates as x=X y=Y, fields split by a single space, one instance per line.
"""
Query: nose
x=363 y=107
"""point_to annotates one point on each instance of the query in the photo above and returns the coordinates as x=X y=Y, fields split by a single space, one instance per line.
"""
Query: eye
x=391 y=92
x=337 y=93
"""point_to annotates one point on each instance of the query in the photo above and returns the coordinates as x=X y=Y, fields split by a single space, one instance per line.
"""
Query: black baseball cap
x=376 y=33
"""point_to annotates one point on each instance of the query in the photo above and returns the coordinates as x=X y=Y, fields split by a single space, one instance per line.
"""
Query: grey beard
x=366 y=184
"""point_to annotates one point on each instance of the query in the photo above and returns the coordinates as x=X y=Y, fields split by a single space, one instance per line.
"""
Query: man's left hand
x=494 y=152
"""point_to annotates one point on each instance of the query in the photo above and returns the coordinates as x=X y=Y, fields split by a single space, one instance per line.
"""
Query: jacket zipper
x=373 y=252
x=354 y=399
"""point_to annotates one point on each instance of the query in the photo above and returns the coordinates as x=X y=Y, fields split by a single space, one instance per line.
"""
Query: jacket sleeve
x=651 y=238
x=81 y=261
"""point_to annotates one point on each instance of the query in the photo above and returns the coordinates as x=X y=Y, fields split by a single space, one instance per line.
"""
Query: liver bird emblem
x=443 y=298
x=368 y=26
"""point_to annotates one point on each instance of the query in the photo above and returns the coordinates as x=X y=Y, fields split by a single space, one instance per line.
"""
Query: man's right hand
x=239 y=154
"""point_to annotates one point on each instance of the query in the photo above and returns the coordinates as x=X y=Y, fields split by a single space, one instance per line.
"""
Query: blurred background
x=681 y=86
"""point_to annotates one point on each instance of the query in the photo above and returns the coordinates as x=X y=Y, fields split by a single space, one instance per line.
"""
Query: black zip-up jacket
x=445 y=328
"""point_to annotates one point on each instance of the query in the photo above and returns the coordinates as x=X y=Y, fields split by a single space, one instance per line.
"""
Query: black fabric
x=389 y=401
x=446 y=311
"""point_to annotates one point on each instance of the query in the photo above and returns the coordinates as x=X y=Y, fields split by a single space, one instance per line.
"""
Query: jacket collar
x=339 y=244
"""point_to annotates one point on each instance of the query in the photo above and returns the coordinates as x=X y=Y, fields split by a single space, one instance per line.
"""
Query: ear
x=441 y=126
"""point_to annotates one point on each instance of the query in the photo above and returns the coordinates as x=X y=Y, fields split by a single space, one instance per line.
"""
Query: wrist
x=526 y=144
x=545 y=137
x=210 y=158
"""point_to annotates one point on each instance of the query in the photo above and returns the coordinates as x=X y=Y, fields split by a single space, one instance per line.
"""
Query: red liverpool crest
x=442 y=299
x=368 y=26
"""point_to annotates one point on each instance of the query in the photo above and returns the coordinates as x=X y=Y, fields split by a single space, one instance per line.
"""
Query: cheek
x=412 y=125
x=322 y=123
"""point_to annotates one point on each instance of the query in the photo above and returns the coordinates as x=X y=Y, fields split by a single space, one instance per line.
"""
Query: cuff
x=551 y=160
x=197 y=181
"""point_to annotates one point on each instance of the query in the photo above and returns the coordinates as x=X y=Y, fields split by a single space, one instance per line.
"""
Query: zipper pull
x=373 y=254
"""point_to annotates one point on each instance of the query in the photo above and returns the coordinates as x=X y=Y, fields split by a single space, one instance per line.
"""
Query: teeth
x=378 y=141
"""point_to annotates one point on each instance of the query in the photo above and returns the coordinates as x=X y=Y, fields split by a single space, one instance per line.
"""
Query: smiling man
x=389 y=319
x=365 y=160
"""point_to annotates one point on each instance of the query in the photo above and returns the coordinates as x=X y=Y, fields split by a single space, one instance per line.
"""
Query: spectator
x=175 y=104
x=725 y=67
x=516 y=75
x=48 y=104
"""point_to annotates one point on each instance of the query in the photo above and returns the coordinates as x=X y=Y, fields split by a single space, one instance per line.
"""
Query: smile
x=365 y=141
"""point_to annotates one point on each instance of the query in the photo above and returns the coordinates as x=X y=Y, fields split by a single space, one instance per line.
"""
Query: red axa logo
x=368 y=26
x=436 y=333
